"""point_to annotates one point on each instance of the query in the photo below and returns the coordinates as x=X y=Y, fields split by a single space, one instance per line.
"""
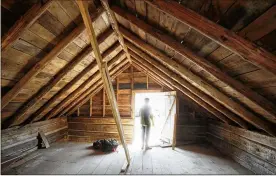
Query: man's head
x=146 y=100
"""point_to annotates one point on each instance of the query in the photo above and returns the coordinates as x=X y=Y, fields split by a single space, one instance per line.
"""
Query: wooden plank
x=84 y=99
x=40 y=65
x=261 y=26
x=66 y=102
x=103 y=102
x=90 y=106
x=193 y=91
x=207 y=88
x=47 y=88
x=43 y=62
x=44 y=139
x=254 y=97
x=24 y=23
x=50 y=102
x=176 y=116
x=104 y=71
x=114 y=25
x=168 y=81
x=224 y=37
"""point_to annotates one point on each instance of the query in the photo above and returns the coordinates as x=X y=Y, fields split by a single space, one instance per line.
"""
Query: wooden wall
x=130 y=79
x=253 y=150
x=191 y=126
x=84 y=129
x=87 y=125
x=17 y=142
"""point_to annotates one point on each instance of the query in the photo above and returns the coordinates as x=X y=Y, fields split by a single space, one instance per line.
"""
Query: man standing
x=146 y=122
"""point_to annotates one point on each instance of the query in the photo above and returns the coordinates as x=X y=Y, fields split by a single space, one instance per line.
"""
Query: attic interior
x=212 y=61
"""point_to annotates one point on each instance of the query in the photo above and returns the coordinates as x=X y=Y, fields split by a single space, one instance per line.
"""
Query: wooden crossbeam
x=203 y=100
x=97 y=77
x=24 y=23
x=201 y=84
x=104 y=74
x=76 y=92
x=82 y=96
x=68 y=86
x=114 y=25
x=168 y=82
x=42 y=63
x=228 y=39
x=17 y=117
x=253 y=97
x=84 y=100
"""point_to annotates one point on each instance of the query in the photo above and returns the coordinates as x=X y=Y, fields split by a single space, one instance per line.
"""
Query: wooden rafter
x=191 y=91
x=168 y=82
x=153 y=76
x=24 y=23
x=42 y=63
x=104 y=74
x=252 y=96
x=116 y=72
x=91 y=88
x=57 y=78
x=114 y=25
x=244 y=48
x=201 y=84
x=68 y=86
x=78 y=91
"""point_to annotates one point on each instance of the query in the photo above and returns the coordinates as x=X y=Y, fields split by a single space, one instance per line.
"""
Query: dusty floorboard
x=79 y=158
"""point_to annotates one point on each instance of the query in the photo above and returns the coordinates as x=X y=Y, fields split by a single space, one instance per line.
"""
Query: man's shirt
x=146 y=116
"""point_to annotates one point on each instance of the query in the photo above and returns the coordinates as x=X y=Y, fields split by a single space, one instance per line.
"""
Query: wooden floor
x=79 y=158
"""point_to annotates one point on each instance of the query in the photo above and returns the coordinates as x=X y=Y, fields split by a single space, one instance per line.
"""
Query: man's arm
x=152 y=117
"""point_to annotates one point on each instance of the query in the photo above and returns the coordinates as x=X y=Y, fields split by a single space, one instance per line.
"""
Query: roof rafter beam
x=228 y=39
x=97 y=77
x=200 y=83
x=24 y=23
x=17 y=117
x=89 y=68
x=252 y=96
x=80 y=89
x=85 y=99
x=220 y=111
x=199 y=102
x=43 y=62
x=114 y=24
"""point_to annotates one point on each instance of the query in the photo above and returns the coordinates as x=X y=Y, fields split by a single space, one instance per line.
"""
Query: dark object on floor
x=106 y=145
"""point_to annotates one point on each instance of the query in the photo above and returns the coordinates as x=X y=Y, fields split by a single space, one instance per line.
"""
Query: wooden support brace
x=114 y=25
x=104 y=73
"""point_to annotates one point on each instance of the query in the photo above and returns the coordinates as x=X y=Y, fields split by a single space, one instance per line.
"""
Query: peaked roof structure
x=198 y=48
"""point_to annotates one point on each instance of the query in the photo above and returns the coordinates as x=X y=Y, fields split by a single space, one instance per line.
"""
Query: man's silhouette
x=146 y=122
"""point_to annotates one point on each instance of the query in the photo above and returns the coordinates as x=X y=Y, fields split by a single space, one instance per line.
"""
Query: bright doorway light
x=157 y=103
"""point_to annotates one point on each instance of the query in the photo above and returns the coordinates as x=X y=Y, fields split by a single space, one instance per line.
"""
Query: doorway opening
x=163 y=109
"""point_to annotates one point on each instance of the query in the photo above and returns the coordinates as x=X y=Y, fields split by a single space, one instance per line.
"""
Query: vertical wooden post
x=103 y=102
x=175 y=120
x=147 y=82
x=132 y=78
x=117 y=84
x=90 y=107
x=78 y=112
x=83 y=6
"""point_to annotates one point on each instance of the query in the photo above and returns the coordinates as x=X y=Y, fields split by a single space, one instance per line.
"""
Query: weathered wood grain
x=228 y=39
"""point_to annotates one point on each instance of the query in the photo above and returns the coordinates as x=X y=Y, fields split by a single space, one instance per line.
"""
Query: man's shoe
x=148 y=148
